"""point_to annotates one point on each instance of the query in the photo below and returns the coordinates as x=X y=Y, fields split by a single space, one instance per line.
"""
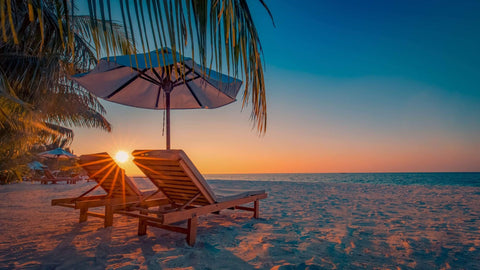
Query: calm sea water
x=443 y=179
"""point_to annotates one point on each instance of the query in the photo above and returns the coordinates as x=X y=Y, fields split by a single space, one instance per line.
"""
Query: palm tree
x=37 y=100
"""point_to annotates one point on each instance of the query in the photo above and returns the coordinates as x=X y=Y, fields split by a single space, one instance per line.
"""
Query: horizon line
x=327 y=173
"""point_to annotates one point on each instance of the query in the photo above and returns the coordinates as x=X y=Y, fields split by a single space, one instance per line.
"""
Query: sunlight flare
x=122 y=156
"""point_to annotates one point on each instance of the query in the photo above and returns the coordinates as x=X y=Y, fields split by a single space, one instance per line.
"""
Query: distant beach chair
x=121 y=192
x=48 y=176
x=189 y=195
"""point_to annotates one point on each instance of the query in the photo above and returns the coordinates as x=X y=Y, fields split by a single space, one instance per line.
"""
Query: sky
x=352 y=86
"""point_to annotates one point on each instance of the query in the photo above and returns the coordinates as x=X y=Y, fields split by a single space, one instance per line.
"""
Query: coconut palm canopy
x=216 y=33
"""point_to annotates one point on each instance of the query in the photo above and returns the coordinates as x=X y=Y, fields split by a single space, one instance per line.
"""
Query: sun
x=122 y=156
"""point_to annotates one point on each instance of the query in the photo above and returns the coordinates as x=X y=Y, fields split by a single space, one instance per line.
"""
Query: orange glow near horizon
x=256 y=155
x=222 y=142
x=246 y=158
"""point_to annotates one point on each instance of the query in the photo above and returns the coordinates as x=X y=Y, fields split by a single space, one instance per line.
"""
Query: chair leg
x=83 y=214
x=192 y=231
x=142 y=224
x=108 y=216
x=256 y=206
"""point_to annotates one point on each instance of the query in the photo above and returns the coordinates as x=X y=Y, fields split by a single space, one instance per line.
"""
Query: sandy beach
x=302 y=226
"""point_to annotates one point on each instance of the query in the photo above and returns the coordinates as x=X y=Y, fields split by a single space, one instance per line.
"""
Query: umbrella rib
x=163 y=71
x=149 y=79
x=156 y=74
x=186 y=81
x=146 y=77
x=206 y=81
x=126 y=83
x=178 y=80
x=193 y=94
x=220 y=92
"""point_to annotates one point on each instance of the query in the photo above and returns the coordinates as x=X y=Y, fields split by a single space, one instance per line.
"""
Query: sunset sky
x=352 y=86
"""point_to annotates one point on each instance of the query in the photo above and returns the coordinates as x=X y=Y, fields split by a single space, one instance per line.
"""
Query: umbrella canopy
x=156 y=81
x=35 y=165
x=57 y=153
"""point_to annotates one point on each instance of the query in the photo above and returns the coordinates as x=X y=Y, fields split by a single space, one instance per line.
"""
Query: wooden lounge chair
x=189 y=195
x=121 y=192
x=49 y=177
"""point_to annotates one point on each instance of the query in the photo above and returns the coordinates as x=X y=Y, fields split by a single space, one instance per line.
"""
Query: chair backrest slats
x=103 y=169
x=174 y=174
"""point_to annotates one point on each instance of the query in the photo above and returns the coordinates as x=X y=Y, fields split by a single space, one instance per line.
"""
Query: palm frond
x=218 y=34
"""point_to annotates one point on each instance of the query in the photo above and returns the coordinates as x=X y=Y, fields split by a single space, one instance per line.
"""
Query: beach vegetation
x=42 y=44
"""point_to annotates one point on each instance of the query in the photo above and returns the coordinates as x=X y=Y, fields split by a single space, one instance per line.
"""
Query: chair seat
x=223 y=195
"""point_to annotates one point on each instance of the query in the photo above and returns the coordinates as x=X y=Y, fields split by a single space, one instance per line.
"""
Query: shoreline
x=320 y=173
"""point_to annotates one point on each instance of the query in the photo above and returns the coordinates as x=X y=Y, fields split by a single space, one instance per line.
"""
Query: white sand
x=303 y=226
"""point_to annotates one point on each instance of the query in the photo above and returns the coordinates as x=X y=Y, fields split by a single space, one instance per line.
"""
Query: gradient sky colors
x=353 y=86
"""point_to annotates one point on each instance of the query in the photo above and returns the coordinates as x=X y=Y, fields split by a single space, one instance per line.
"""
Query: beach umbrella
x=35 y=165
x=158 y=81
x=57 y=153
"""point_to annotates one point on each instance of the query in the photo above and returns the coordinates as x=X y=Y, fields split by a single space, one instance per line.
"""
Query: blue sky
x=430 y=41
x=352 y=86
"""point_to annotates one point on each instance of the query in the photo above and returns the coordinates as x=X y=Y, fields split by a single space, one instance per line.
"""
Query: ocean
x=436 y=179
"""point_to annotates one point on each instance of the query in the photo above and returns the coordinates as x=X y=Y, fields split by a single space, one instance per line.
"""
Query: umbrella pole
x=167 y=101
